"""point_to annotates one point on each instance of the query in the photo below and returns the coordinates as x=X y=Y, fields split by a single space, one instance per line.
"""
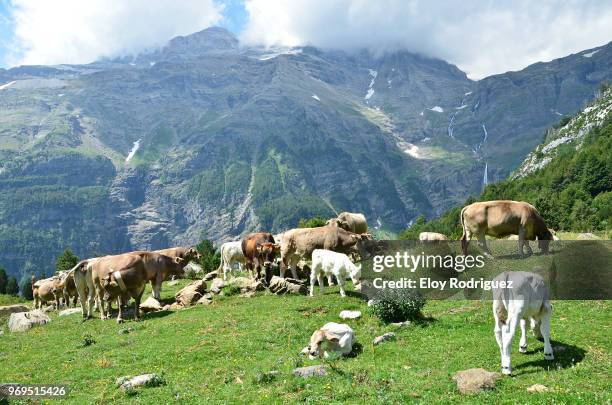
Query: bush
x=312 y=222
x=398 y=305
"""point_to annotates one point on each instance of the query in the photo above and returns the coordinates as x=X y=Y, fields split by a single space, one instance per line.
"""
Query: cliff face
x=205 y=138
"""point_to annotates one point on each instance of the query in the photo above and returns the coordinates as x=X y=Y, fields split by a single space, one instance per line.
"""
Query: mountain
x=209 y=138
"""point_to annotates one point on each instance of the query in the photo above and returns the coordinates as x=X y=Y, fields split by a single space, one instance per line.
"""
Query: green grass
x=217 y=353
x=11 y=299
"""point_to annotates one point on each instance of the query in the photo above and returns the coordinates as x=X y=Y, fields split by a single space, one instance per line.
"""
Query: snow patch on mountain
x=6 y=85
x=436 y=108
x=590 y=54
x=316 y=97
x=135 y=148
x=370 y=91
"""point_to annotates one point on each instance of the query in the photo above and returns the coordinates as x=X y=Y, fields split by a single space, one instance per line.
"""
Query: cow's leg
x=102 y=304
x=226 y=270
x=320 y=280
x=294 y=262
x=137 y=299
x=545 y=329
x=465 y=240
x=523 y=341
x=120 y=309
x=159 y=278
x=341 y=285
x=482 y=242
x=508 y=332
x=330 y=280
x=283 y=265
x=313 y=280
x=498 y=326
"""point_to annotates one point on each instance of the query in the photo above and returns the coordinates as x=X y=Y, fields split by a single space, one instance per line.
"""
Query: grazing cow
x=131 y=279
x=259 y=249
x=332 y=337
x=231 y=253
x=431 y=237
x=328 y=263
x=526 y=298
x=298 y=244
x=66 y=288
x=503 y=218
x=187 y=254
x=43 y=291
x=350 y=221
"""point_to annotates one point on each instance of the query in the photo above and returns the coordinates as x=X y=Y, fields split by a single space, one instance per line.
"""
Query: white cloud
x=81 y=31
x=482 y=37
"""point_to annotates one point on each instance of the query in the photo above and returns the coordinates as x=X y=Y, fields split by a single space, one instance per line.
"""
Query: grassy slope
x=214 y=354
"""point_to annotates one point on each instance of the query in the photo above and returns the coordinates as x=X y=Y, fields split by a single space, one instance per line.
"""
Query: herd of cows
x=97 y=282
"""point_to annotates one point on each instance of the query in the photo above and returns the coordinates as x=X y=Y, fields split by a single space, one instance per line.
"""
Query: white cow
x=85 y=287
x=231 y=253
x=332 y=337
x=431 y=236
x=328 y=263
x=524 y=297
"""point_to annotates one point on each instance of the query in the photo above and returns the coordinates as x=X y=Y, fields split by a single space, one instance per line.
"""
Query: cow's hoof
x=549 y=356
x=120 y=320
x=506 y=371
x=523 y=349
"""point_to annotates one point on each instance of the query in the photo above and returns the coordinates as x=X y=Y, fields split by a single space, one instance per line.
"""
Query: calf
x=66 y=288
x=332 y=337
x=231 y=252
x=259 y=249
x=525 y=297
x=328 y=263
x=43 y=291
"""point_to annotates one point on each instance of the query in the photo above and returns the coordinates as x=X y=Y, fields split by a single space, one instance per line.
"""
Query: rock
x=586 y=236
x=150 y=305
x=246 y=284
x=474 y=380
x=145 y=380
x=217 y=285
x=191 y=293
x=512 y=237
x=537 y=388
x=206 y=299
x=10 y=309
x=401 y=324
x=210 y=276
x=287 y=286
x=70 y=311
x=22 y=321
x=310 y=371
x=350 y=314
x=384 y=338
x=248 y=294
x=193 y=270
x=167 y=307
x=176 y=305
x=48 y=308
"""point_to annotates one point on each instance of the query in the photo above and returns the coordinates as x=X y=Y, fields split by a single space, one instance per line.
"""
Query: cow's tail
x=464 y=239
x=33 y=281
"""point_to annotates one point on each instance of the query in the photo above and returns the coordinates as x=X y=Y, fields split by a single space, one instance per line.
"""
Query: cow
x=299 y=243
x=65 y=287
x=503 y=218
x=332 y=337
x=131 y=279
x=328 y=263
x=523 y=297
x=431 y=237
x=259 y=249
x=43 y=291
x=187 y=254
x=231 y=253
x=350 y=221
x=83 y=281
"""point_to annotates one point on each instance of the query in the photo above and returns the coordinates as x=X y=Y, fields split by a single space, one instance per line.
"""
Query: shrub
x=398 y=305
x=230 y=290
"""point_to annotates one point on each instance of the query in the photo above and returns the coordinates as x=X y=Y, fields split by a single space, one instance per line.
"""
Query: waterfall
x=485 y=177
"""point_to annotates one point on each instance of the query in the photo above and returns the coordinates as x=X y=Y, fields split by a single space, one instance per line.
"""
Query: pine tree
x=11 y=286
x=3 y=280
x=66 y=261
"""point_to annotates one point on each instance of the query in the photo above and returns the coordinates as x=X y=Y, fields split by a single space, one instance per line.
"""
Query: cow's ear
x=178 y=260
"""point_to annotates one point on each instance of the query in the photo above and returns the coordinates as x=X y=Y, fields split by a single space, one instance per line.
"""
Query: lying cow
x=500 y=219
x=43 y=292
x=526 y=298
x=330 y=264
x=259 y=249
x=298 y=244
x=231 y=253
x=332 y=337
x=66 y=288
x=131 y=279
x=432 y=237
x=350 y=221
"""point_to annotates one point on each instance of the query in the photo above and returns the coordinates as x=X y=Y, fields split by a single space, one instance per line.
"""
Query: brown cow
x=503 y=218
x=43 y=291
x=259 y=249
x=131 y=279
x=66 y=288
x=298 y=244
x=350 y=221
x=187 y=254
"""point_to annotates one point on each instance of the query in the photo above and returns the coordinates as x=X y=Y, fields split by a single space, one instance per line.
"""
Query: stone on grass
x=70 y=311
x=246 y=284
x=287 y=286
x=383 y=338
x=586 y=236
x=346 y=314
x=22 y=321
x=145 y=380
x=190 y=294
x=150 y=305
x=217 y=285
x=210 y=276
x=206 y=299
x=401 y=324
x=310 y=371
x=10 y=309
x=474 y=380
x=537 y=388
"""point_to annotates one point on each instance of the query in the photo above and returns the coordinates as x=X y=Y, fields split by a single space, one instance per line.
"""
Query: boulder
x=191 y=293
x=346 y=314
x=210 y=276
x=22 y=321
x=217 y=285
x=383 y=338
x=537 y=388
x=10 y=309
x=310 y=371
x=206 y=299
x=150 y=305
x=193 y=269
x=246 y=284
x=474 y=380
x=70 y=311
x=287 y=286
x=145 y=380
x=586 y=236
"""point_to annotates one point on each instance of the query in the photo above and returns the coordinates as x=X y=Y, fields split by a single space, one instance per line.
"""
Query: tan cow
x=500 y=219
x=431 y=236
x=350 y=221
x=298 y=244
x=43 y=291
x=132 y=278
x=66 y=287
x=187 y=254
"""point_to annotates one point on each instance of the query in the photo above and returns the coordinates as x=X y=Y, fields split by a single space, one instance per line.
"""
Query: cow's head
x=267 y=251
x=544 y=239
x=339 y=223
x=178 y=267
x=192 y=254
x=111 y=287
x=319 y=341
